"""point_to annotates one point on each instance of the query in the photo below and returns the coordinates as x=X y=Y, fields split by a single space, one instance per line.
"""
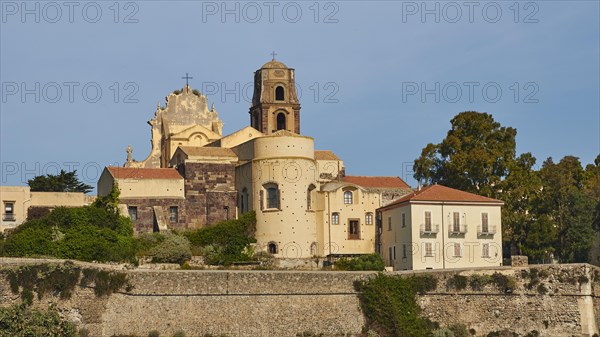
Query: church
x=305 y=204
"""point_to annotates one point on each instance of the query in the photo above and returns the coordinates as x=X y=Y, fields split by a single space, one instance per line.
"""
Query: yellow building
x=440 y=228
x=17 y=200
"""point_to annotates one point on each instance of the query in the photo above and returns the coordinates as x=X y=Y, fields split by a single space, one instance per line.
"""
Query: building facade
x=305 y=204
x=16 y=202
x=440 y=228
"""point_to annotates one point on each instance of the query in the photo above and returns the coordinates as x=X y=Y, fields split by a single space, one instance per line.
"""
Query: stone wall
x=565 y=309
x=209 y=192
x=284 y=303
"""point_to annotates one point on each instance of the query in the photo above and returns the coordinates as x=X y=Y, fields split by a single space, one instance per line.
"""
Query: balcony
x=486 y=230
x=429 y=229
x=9 y=217
x=457 y=229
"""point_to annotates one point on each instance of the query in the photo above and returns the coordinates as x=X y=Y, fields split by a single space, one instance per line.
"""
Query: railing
x=430 y=229
x=486 y=230
x=9 y=217
x=457 y=229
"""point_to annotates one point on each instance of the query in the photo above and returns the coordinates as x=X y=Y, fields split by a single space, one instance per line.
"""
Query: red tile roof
x=376 y=182
x=325 y=155
x=442 y=193
x=143 y=173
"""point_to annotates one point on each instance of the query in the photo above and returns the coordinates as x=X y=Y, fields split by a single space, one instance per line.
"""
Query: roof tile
x=442 y=193
x=143 y=173
x=376 y=182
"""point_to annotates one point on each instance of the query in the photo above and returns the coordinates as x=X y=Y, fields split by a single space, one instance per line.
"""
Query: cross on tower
x=186 y=78
x=273 y=54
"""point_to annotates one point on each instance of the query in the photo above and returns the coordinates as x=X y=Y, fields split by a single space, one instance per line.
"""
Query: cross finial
x=273 y=54
x=186 y=78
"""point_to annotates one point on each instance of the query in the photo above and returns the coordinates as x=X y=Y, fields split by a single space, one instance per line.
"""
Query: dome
x=274 y=65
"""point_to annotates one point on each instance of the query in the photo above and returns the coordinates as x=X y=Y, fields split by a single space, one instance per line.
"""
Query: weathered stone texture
x=279 y=303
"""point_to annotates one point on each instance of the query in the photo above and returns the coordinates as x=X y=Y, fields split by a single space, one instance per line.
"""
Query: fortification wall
x=284 y=303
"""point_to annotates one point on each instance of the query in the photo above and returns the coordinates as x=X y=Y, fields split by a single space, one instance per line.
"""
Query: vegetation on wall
x=164 y=248
x=363 y=262
x=390 y=306
x=225 y=242
x=86 y=233
x=60 y=280
x=24 y=321
x=551 y=212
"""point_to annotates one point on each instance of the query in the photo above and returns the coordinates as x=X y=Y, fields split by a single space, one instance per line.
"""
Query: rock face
x=278 y=303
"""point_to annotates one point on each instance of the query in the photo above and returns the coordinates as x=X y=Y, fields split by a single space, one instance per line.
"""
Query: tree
x=473 y=157
x=569 y=208
x=62 y=182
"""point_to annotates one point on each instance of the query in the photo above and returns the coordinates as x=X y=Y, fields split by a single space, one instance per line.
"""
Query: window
x=281 y=121
x=244 y=200
x=394 y=252
x=279 y=93
x=353 y=230
x=427 y=221
x=389 y=223
x=335 y=218
x=348 y=197
x=309 y=196
x=9 y=211
x=403 y=219
x=456 y=222
x=272 y=248
x=485 y=250
x=313 y=249
x=272 y=191
x=457 y=250
x=369 y=219
x=485 y=228
x=404 y=251
x=173 y=214
x=390 y=256
x=133 y=212
x=428 y=249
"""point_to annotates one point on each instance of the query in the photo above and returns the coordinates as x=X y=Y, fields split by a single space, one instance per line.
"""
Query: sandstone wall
x=284 y=303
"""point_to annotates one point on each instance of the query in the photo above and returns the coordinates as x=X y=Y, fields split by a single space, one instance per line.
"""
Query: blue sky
x=362 y=67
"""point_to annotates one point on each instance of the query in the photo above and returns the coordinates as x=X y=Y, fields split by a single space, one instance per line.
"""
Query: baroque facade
x=305 y=204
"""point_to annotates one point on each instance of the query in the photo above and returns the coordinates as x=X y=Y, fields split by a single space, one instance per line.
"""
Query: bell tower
x=275 y=103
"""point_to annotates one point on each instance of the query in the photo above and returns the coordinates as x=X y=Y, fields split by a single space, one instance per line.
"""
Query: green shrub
x=541 y=289
x=457 y=282
x=154 y=333
x=504 y=283
x=22 y=321
x=179 y=333
x=363 y=262
x=225 y=242
x=478 y=282
x=86 y=233
x=459 y=330
x=390 y=306
x=172 y=249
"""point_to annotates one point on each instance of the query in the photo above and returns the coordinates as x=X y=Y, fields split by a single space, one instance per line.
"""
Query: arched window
x=281 y=121
x=279 y=93
x=348 y=197
x=313 y=249
x=272 y=248
x=272 y=196
x=309 y=196
x=369 y=218
x=335 y=218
